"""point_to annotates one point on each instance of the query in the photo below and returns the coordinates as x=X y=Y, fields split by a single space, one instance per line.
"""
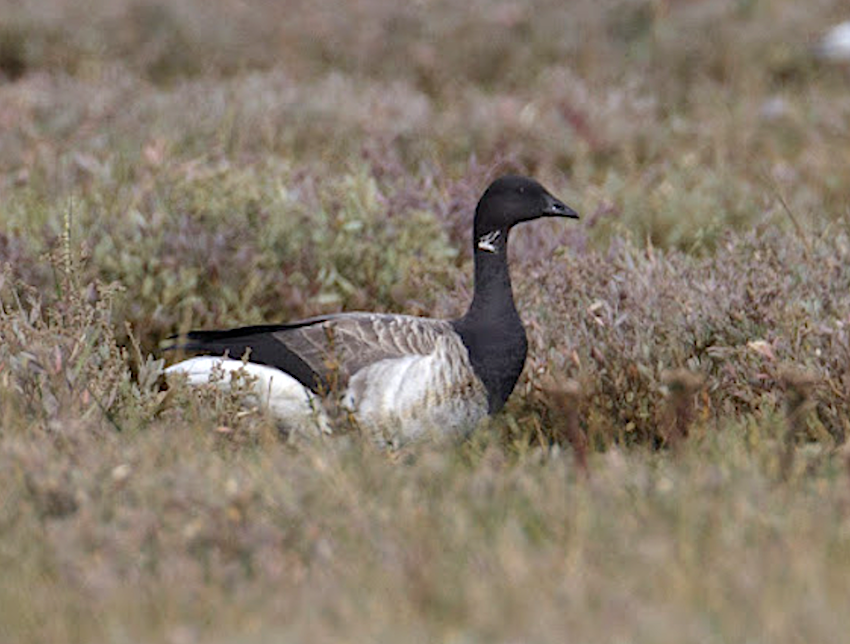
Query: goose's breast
x=402 y=399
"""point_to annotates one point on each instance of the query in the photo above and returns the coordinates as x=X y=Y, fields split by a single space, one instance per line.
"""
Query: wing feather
x=324 y=351
x=344 y=344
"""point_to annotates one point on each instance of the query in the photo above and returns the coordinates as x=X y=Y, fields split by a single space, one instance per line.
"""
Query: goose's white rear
x=297 y=409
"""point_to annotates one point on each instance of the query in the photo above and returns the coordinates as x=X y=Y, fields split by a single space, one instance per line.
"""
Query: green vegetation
x=671 y=466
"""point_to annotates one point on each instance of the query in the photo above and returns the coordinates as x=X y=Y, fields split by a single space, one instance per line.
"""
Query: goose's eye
x=522 y=190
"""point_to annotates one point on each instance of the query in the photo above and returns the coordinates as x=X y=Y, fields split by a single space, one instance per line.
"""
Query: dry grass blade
x=683 y=386
x=799 y=403
x=564 y=397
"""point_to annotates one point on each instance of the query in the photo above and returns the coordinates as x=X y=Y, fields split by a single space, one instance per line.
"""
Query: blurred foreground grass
x=174 y=165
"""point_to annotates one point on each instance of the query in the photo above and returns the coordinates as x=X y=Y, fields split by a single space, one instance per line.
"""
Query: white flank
x=295 y=407
x=400 y=400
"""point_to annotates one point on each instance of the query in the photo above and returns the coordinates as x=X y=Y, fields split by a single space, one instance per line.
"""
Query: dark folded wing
x=325 y=351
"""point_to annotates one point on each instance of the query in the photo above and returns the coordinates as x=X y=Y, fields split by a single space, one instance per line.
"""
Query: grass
x=672 y=465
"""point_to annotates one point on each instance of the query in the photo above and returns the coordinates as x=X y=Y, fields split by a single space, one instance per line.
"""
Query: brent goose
x=399 y=377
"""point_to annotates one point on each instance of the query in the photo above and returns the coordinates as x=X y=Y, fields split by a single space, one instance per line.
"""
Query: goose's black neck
x=492 y=295
x=491 y=329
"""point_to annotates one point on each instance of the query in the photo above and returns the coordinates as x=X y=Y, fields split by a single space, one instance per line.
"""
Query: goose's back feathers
x=325 y=352
x=339 y=346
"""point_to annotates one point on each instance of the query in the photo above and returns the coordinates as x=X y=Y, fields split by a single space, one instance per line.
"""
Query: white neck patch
x=488 y=242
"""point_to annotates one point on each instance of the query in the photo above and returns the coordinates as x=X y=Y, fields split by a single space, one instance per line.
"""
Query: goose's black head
x=510 y=200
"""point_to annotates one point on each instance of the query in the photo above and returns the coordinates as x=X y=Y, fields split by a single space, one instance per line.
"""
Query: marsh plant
x=671 y=466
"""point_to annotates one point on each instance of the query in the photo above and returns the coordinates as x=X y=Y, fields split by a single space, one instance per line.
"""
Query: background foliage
x=671 y=466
